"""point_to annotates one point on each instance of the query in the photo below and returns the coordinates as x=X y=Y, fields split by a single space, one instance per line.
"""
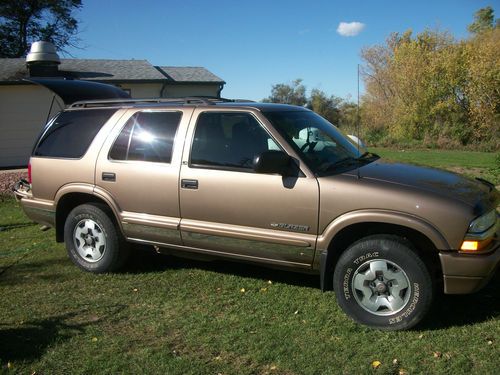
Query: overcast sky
x=255 y=44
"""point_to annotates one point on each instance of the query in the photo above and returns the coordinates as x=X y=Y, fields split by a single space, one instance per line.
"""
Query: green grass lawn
x=473 y=164
x=175 y=316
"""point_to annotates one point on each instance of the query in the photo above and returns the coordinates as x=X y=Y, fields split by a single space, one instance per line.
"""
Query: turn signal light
x=475 y=245
x=470 y=245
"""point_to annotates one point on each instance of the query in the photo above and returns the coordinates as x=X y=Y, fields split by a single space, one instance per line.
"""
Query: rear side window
x=71 y=133
x=147 y=136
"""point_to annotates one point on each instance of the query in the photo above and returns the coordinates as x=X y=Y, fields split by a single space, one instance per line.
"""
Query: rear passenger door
x=229 y=209
x=138 y=169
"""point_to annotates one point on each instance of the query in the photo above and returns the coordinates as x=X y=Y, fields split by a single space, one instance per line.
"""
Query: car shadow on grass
x=462 y=310
x=447 y=310
x=146 y=260
x=29 y=340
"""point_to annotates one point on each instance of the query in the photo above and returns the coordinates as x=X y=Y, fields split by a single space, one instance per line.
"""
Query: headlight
x=483 y=222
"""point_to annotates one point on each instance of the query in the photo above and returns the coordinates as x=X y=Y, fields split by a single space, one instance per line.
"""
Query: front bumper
x=467 y=273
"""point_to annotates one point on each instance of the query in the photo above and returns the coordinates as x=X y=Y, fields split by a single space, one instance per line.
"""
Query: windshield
x=320 y=144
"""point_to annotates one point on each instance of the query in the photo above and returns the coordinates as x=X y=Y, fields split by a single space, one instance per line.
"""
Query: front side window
x=229 y=140
x=70 y=134
x=147 y=136
x=320 y=144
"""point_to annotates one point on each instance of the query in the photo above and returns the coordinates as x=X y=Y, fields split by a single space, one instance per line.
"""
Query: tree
x=484 y=19
x=294 y=93
x=348 y=117
x=432 y=88
x=26 y=21
x=482 y=55
x=327 y=107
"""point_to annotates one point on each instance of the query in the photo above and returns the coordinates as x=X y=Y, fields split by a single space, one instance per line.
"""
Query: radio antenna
x=357 y=122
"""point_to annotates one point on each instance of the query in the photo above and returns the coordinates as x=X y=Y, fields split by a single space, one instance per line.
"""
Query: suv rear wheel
x=380 y=281
x=93 y=241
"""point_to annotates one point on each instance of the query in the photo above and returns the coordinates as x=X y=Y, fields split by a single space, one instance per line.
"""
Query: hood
x=71 y=91
x=478 y=194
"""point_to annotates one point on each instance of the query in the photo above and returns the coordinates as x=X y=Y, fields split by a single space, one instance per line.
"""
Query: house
x=25 y=107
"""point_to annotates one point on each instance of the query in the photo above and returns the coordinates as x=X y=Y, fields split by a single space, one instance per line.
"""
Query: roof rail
x=204 y=100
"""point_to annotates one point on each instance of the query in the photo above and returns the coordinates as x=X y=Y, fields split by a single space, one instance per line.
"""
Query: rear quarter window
x=71 y=133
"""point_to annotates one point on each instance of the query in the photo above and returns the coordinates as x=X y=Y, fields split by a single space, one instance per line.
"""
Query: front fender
x=381 y=216
x=322 y=261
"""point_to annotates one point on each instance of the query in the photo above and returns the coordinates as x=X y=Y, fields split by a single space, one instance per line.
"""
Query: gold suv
x=264 y=183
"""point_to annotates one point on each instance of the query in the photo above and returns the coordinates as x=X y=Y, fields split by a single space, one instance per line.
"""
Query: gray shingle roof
x=12 y=69
x=103 y=70
x=111 y=70
x=189 y=74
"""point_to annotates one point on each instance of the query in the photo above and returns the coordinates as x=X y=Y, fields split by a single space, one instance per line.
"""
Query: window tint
x=71 y=133
x=147 y=136
x=229 y=140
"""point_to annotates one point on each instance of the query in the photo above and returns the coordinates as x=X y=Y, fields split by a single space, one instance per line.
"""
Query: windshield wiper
x=367 y=155
x=327 y=166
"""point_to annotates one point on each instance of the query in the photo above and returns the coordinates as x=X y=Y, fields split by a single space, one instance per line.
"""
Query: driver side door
x=228 y=209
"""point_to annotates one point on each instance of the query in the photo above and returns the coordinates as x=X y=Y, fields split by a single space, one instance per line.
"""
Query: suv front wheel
x=93 y=241
x=380 y=281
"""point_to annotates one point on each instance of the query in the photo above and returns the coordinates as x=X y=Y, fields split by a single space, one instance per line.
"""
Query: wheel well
x=70 y=201
x=347 y=236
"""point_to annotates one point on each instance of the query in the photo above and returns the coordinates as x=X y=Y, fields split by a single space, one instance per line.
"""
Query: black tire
x=391 y=305
x=105 y=251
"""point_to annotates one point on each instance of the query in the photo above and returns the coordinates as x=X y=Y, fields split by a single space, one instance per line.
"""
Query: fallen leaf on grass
x=437 y=354
x=94 y=339
x=263 y=290
x=135 y=289
x=376 y=364
x=9 y=365
x=296 y=312
x=269 y=282
x=402 y=371
x=395 y=362
x=242 y=290
x=273 y=367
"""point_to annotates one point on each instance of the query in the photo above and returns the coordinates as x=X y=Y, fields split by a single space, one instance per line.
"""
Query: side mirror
x=272 y=162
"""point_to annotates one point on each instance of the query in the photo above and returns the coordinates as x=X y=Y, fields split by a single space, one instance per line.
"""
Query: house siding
x=23 y=112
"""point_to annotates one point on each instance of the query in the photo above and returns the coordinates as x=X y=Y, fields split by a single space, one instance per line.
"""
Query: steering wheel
x=311 y=146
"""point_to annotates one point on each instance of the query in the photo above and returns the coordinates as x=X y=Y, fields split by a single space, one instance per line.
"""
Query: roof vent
x=43 y=52
x=43 y=60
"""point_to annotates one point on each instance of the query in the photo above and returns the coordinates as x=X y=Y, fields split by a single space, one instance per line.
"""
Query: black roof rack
x=203 y=100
